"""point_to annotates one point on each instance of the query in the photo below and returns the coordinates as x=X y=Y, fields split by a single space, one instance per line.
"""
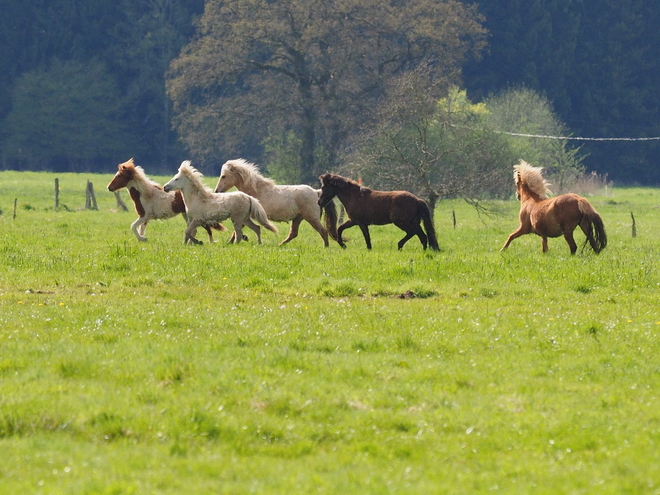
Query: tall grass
x=156 y=367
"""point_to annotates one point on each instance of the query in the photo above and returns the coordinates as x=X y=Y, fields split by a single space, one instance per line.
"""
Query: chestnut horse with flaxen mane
x=553 y=217
x=366 y=207
x=149 y=199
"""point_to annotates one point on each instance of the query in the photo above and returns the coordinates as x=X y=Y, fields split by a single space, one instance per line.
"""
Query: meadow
x=163 y=368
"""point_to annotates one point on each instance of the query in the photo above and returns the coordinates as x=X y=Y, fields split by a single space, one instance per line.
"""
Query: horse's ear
x=230 y=166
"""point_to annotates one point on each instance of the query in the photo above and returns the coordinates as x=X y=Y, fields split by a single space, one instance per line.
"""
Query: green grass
x=156 y=367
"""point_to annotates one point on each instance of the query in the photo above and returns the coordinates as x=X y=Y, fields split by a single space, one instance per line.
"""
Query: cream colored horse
x=553 y=217
x=282 y=203
x=149 y=199
x=204 y=206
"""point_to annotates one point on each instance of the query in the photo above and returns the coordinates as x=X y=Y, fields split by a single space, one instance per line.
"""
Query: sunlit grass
x=161 y=368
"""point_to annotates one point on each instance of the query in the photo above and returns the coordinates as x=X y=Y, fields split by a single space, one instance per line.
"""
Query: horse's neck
x=193 y=193
x=254 y=188
x=527 y=195
x=145 y=187
x=348 y=194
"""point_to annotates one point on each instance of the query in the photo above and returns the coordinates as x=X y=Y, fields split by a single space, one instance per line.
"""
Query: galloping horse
x=282 y=203
x=149 y=199
x=553 y=217
x=366 y=207
x=204 y=206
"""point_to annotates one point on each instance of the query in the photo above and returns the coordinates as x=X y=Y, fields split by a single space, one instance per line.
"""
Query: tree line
x=304 y=86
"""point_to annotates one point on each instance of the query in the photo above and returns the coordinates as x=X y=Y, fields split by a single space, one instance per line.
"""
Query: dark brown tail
x=428 y=225
x=331 y=219
x=594 y=228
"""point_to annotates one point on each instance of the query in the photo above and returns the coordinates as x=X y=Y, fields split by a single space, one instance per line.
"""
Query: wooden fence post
x=57 y=193
x=120 y=203
x=90 y=197
x=15 y=203
x=634 y=226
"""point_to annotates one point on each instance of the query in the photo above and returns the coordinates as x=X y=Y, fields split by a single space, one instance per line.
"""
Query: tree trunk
x=307 y=165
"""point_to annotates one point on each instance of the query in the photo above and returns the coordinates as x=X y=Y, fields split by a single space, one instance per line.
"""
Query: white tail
x=258 y=213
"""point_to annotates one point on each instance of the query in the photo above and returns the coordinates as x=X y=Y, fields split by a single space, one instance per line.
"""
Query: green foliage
x=63 y=115
x=313 y=67
x=179 y=373
x=524 y=111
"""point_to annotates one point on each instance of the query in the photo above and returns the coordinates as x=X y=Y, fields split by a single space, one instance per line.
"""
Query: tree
x=313 y=67
x=436 y=148
x=65 y=118
x=524 y=111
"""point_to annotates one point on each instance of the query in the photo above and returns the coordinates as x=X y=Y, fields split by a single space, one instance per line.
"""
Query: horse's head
x=174 y=184
x=328 y=190
x=124 y=175
x=227 y=178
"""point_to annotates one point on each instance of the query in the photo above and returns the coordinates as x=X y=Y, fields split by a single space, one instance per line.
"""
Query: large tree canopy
x=314 y=67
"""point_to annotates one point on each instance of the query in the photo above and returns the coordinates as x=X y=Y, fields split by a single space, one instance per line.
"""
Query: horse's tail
x=331 y=219
x=424 y=211
x=595 y=230
x=218 y=226
x=258 y=213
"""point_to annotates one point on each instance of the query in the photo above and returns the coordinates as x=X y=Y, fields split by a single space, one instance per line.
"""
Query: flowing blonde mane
x=196 y=178
x=139 y=176
x=248 y=172
x=532 y=178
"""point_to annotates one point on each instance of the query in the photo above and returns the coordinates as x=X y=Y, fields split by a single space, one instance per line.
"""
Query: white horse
x=149 y=199
x=204 y=206
x=282 y=203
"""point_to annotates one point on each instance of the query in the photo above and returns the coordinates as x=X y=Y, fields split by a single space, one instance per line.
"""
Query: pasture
x=162 y=368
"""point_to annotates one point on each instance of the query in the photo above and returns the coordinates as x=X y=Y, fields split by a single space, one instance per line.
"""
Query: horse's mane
x=338 y=180
x=248 y=172
x=532 y=178
x=196 y=178
x=140 y=176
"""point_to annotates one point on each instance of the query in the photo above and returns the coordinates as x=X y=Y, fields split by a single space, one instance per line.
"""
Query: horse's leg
x=191 y=230
x=365 y=233
x=544 y=244
x=293 y=231
x=138 y=227
x=571 y=242
x=410 y=233
x=254 y=227
x=585 y=225
x=318 y=226
x=517 y=233
x=346 y=225
x=208 y=231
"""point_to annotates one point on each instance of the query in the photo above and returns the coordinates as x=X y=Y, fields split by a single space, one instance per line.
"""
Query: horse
x=149 y=199
x=553 y=217
x=366 y=207
x=282 y=203
x=203 y=205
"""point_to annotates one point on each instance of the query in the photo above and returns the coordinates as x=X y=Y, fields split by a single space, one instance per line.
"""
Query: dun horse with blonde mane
x=204 y=206
x=149 y=199
x=553 y=217
x=282 y=203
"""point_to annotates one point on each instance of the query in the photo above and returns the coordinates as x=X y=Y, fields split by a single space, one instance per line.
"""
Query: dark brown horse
x=553 y=217
x=366 y=207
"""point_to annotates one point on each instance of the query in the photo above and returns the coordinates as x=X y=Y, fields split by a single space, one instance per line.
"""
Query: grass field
x=131 y=368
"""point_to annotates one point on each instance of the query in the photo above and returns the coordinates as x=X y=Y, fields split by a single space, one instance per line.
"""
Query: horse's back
x=285 y=202
x=383 y=207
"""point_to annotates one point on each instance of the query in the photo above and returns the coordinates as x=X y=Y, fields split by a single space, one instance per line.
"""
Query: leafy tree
x=436 y=148
x=65 y=118
x=524 y=111
x=311 y=67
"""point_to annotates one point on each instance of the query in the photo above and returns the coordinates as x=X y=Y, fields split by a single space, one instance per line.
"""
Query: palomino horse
x=149 y=199
x=282 y=203
x=204 y=206
x=553 y=217
x=366 y=207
